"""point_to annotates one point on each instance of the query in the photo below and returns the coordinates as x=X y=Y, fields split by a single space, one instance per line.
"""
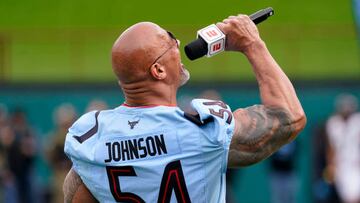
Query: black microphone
x=210 y=40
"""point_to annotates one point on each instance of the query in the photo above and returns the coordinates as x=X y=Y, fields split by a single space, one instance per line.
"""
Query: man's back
x=153 y=154
x=147 y=62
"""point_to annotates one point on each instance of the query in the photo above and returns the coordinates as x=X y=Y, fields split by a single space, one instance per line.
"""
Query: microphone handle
x=261 y=15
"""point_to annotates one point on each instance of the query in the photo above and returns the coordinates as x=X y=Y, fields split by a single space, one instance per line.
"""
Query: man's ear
x=158 y=71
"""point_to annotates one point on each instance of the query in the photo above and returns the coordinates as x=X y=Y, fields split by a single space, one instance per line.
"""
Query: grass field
x=70 y=41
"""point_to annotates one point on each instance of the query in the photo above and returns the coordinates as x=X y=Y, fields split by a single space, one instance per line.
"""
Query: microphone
x=210 y=40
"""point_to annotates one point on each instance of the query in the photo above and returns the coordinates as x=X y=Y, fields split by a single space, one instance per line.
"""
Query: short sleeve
x=80 y=139
x=218 y=123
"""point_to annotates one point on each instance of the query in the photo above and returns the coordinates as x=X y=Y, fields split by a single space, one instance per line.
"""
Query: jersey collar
x=146 y=106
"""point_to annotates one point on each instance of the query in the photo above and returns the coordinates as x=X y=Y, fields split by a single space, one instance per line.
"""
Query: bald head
x=135 y=50
x=146 y=59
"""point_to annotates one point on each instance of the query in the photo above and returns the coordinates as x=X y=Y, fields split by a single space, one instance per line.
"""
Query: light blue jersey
x=153 y=154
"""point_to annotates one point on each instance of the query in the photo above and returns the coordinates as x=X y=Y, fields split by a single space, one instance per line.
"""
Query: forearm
x=262 y=129
x=275 y=87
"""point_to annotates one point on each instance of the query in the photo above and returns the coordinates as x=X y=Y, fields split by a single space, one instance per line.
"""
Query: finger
x=243 y=19
x=222 y=27
x=230 y=17
x=226 y=21
x=230 y=21
x=242 y=15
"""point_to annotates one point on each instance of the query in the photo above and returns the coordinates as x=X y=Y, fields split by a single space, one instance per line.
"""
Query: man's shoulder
x=218 y=114
x=212 y=109
x=85 y=122
x=88 y=119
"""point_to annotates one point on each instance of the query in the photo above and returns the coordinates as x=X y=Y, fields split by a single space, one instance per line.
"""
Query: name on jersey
x=138 y=148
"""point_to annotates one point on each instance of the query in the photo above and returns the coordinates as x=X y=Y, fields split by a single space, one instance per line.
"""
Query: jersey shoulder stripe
x=89 y=133
x=197 y=120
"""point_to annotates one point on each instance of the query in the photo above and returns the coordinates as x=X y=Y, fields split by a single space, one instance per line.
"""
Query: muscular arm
x=261 y=130
x=75 y=191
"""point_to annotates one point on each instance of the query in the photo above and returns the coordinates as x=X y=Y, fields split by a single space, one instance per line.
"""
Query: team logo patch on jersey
x=133 y=123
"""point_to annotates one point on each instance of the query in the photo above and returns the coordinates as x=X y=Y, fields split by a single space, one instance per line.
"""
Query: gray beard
x=185 y=76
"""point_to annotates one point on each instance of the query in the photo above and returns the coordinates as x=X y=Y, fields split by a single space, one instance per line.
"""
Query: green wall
x=70 y=41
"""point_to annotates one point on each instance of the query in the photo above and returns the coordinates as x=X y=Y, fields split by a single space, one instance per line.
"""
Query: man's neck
x=139 y=103
x=150 y=96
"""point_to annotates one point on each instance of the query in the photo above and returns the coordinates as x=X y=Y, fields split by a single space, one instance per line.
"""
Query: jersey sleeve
x=218 y=123
x=80 y=139
x=80 y=146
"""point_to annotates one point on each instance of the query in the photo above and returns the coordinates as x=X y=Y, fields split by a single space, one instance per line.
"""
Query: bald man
x=149 y=150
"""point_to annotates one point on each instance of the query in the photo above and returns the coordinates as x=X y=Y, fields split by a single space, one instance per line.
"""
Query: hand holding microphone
x=240 y=33
x=234 y=33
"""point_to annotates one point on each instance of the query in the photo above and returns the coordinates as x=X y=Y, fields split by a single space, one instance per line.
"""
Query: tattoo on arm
x=259 y=132
x=75 y=190
x=71 y=185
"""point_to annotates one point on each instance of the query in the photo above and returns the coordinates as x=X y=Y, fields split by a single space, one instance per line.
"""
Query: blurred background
x=55 y=66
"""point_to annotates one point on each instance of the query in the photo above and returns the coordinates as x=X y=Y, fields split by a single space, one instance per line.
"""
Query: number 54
x=173 y=179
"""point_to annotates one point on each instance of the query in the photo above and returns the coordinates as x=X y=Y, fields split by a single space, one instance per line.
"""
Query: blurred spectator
x=184 y=103
x=8 y=184
x=343 y=152
x=3 y=115
x=283 y=178
x=64 y=116
x=96 y=104
x=19 y=140
x=323 y=190
x=210 y=94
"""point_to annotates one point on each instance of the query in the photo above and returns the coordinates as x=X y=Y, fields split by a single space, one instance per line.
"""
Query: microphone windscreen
x=196 y=49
